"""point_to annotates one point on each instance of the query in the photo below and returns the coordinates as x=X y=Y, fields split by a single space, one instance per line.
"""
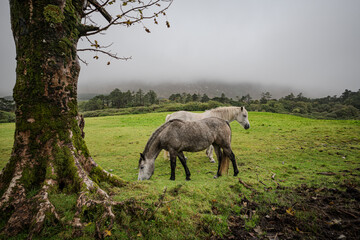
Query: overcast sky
x=309 y=45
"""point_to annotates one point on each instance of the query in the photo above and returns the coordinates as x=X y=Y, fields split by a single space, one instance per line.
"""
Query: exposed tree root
x=45 y=208
x=86 y=202
x=29 y=212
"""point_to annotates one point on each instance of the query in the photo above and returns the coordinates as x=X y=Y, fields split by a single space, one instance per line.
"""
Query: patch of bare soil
x=318 y=213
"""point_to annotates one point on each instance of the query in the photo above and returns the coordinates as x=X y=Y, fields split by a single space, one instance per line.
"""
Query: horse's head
x=242 y=118
x=146 y=167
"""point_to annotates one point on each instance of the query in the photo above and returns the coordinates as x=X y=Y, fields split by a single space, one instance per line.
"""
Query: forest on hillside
x=346 y=106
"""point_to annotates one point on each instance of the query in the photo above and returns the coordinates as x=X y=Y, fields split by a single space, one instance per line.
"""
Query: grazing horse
x=177 y=136
x=227 y=113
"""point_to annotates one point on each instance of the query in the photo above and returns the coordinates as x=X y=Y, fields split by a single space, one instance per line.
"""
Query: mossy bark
x=49 y=153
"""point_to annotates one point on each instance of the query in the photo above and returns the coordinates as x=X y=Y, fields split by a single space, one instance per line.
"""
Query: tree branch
x=94 y=10
x=83 y=29
x=83 y=61
x=127 y=22
x=101 y=9
x=104 y=52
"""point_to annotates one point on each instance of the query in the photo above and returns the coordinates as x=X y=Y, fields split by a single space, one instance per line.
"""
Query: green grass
x=295 y=149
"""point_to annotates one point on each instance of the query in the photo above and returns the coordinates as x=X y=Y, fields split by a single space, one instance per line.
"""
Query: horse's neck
x=153 y=150
x=226 y=114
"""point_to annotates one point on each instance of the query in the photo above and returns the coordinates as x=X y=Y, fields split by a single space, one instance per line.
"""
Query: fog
x=306 y=45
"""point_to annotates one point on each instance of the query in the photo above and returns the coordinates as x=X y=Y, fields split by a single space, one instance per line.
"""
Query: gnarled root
x=93 y=198
x=27 y=208
x=28 y=213
x=46 y=209
x=101 y=208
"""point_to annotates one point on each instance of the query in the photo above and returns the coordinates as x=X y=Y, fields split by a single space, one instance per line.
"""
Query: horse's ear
x=142 y=156
x=242 y=108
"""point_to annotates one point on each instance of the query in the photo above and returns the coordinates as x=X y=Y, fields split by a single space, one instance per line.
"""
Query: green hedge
x=7 y=117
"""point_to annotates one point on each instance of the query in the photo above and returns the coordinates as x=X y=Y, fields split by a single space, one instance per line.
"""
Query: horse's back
x=215 y=122
x=220 y=128
x=195 y=136
x=185 y=116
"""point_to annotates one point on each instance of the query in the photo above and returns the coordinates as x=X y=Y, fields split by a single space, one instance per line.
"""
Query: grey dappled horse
x=227 y=113
x=178 y=136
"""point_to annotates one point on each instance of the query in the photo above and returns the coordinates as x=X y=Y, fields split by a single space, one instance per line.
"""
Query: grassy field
x=278 y=153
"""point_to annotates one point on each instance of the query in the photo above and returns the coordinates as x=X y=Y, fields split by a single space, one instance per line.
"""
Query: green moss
x=66 y=170
x=92 y=213
x=33 y=176
x=53 y=14
x=65 y=205
x=78 y=141
x=50 y=174
x=98 y=175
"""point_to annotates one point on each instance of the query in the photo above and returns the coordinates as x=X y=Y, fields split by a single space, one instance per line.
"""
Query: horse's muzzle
x=247 y=126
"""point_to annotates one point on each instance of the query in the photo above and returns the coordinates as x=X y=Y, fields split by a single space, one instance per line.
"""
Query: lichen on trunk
x=49 y=153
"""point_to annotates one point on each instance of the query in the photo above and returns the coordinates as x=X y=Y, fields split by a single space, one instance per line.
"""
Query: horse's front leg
x=209 y=153
x=183 y=162
x=172 y=165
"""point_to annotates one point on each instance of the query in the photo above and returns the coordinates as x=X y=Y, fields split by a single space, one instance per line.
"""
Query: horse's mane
x=158 y=131
x=225 y=112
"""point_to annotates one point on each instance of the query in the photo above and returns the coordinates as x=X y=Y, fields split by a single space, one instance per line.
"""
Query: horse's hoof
x=216 y=176
x=172 y=179
x=212 y=161
x=188 y=179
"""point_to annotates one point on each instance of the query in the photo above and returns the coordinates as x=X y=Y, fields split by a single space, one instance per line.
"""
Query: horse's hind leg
x=173 y=164
x=183 y=162
x=228 y=152
x=219 y=157
x=209 y=153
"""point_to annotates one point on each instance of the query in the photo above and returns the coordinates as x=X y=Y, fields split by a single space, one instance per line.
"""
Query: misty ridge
x=210 y=88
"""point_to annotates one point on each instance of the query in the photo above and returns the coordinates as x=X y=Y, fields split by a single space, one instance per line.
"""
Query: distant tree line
x=346 y=106
x=7 y=105
x=119 y=99
x=7 y=108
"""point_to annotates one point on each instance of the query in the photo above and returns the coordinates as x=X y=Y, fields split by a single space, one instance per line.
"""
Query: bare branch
x=101 y=9
x=83 y=29
x=128 y=17
x=94 y=10
x=83 y=61
x=96 y=44
x=104 y=52
x=118 y=20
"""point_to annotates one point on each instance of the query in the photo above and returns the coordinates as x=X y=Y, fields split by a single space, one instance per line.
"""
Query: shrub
x=344 y=112
x=7 y=117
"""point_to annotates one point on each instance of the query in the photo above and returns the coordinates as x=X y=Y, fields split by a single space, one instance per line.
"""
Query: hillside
x=212 y=89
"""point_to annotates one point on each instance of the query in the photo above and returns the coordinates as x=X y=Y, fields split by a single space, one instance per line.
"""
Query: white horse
x=227 y=113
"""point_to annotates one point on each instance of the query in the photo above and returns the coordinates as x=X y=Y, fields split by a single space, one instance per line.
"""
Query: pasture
x=280 y=158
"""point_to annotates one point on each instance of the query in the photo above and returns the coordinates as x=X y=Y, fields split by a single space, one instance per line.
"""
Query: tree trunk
x=49 y=154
